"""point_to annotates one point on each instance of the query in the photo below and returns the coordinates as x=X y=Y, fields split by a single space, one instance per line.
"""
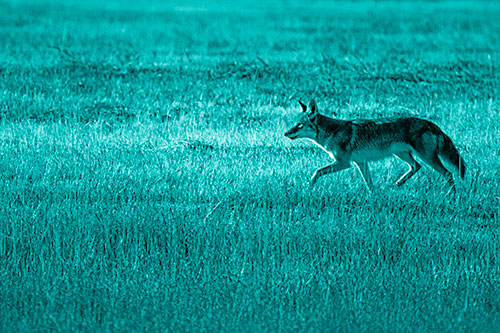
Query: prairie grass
x=146 y=183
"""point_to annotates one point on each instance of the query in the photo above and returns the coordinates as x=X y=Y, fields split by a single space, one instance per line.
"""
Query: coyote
x=359 y=141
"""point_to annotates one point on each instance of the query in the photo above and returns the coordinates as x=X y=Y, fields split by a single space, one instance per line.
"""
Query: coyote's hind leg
x=414 y=167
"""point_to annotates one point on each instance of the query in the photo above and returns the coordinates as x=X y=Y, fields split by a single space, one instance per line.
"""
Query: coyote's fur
x=359 y=141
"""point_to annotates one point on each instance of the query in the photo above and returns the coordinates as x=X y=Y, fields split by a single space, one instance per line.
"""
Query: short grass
x=146 y=183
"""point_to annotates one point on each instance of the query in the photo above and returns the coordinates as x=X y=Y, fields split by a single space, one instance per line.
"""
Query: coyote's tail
x=448 y=152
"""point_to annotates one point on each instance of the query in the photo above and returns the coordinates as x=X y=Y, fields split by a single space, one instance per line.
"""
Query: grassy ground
x=146 y=183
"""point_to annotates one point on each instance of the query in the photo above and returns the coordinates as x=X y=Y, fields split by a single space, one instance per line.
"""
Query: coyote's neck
x=326 y=127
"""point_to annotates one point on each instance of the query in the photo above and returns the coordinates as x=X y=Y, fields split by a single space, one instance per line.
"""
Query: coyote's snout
x=359 y=141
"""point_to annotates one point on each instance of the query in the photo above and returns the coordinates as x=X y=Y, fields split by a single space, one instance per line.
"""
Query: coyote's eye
x=300 y=126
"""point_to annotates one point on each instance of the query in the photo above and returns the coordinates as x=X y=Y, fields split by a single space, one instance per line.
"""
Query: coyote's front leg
x=364 y=170
x=331 y=168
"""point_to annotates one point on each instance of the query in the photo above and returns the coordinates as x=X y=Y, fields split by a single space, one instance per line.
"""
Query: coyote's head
x=307 y=126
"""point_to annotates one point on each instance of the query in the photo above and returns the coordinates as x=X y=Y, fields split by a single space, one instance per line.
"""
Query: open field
x=146 y=183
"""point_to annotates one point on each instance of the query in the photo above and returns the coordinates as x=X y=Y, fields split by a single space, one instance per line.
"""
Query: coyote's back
x=363 y=140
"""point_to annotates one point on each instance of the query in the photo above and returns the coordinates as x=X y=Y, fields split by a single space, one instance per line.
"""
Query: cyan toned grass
x=138 y=228
x=146 y=183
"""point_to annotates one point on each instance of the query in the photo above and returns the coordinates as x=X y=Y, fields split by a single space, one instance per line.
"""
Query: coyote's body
x=360 y=141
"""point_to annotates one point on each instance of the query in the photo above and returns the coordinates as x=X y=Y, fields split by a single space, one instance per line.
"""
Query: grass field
x=146 y=184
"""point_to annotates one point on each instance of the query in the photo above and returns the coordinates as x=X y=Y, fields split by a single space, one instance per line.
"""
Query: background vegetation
x=146 y=183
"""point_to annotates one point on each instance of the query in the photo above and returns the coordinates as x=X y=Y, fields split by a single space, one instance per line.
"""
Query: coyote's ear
x=313 y=109
x=303 y=106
